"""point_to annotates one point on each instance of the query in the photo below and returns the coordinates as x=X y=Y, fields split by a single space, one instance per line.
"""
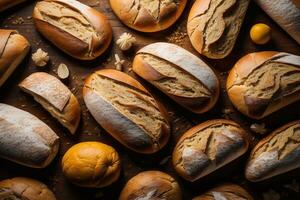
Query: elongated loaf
x=207 y=147
x=13 y=49
x=225 y=192
x=262 y=83
x=5 y=4
x=25 y=139
x=286 y=13
x=148 y=15
x=55 y=97
x=154 y=185
x=21 y=188
x=78 y=30
x=179 y=74
x=125 y=109
x=213 y=26
x=278 y=153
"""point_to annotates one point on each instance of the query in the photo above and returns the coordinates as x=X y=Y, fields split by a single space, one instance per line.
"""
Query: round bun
x=91 y=164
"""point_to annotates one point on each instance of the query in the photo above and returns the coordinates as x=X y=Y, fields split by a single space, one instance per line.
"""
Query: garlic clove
x=63 y=71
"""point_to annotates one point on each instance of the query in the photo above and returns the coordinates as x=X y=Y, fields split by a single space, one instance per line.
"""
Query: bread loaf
x=21 y=188
x=5 y=4
x=207 y=147
x=286 y=13
x=125 y=109
x=278 y=153
x=78 y=30
x=213 y=26
x=13 y=49
x=55 y=97
x=154 y=185
x=148 y=15
x=225 y=192
x=264 y=82
x=179 y=74
x=25 y=139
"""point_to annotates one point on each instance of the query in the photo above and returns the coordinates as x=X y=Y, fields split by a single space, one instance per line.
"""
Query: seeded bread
x=207 y=147
x=6 y=4
x=264 y=82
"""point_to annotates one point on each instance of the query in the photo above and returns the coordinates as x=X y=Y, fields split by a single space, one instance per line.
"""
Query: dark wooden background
x=287 y=185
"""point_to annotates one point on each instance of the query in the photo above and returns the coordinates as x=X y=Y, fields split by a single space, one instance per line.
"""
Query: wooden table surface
x=287 y=185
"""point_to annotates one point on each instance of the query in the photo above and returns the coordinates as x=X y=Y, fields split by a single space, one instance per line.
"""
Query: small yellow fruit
x=260 y=33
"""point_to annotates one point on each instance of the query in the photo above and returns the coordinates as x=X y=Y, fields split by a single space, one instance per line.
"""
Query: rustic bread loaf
x=154 y=185
x=5 y=4
x=225 y=192
x=278 y=153
x=262 y=83
x=21 y=188
x=148 y=15
x=78 y=30
x=179 y=74
x=207 y=147
x=91 y=164
x=125 y=109
x=286 y=13
x=55 y=97
x=25 y=139
x=13 y=48
x=213 y=26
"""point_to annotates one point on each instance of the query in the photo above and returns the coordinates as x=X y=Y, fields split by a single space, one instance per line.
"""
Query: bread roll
x=213 y=26
x=207 y=147
x=179 y=74
x=91 y=164
x=225 y=192
x=148 y=16
x=13 y=49
x=25 y=139
x=126 y=110
x=5 y=4
x=20 y=188
x=78 y=30
x=286 y=13
x=278 y=153
x=154 y=185
x=55 y=97
x=264 y=82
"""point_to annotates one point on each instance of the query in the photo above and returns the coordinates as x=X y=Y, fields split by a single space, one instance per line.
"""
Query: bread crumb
x=294 y=186
x=63 y=71
x=258 y=128
x=119 y=63
x=40 y=58
x=126 y=41
x=19 y=20
x=271 y=195
x=177 y=36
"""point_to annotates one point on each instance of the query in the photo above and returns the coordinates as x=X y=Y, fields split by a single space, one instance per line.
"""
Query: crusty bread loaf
x=213 y=26
x=13 y=49
x=55 y=97
x=25 y=139
x=225 y=192
x=262 y=83
x=78 y=30
x=207 y=147
x=21 y=188
x=154 y=185
x=123 y=107
x=148 y=15
x=278 y=153
x=5 y=4
x=286 y=13
x=179 y=74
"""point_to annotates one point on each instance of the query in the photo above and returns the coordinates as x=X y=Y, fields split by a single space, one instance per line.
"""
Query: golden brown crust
x=5 y=4
x=148 y=16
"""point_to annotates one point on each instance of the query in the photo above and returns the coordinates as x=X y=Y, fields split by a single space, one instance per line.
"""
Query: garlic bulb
x=126 y=41
x=40 y=58
x=63 y=71
x=119 y=63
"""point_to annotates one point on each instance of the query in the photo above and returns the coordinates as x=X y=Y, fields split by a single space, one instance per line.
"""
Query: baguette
x=13 y=49
x=21 y=188
x=276 y=154
x=148 y=16
x=126 y=110
x=25 y=139
x=286 y=13
x=207 y=147
x=55 y=97
x=6 y=4
x=213 y=26
x=262 y=83
x=154 y=185
x=179 y=74
x=78 y=30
